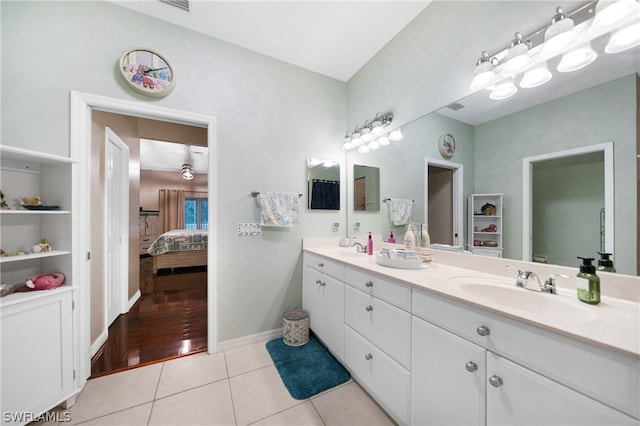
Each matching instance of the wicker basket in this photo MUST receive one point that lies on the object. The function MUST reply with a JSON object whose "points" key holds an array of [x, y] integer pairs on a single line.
{"points": [[296, 327]]}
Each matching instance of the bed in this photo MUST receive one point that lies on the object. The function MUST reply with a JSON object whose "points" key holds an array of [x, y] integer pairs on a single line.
{"points": [[179, 248]]}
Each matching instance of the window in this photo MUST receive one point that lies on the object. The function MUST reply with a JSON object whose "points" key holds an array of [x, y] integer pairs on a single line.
{"points": [[196, 213]]}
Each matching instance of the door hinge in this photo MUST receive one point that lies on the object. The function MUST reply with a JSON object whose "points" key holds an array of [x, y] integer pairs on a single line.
{"points": [[73, 305], [88, 255], [74, 374]]}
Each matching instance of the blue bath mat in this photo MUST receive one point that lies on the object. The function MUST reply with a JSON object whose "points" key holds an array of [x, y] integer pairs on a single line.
{"points": [[306, 370]]}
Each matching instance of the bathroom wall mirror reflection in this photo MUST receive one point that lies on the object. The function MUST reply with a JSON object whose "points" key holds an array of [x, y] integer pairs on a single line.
{"points": [[323, 182], [366, 188]]}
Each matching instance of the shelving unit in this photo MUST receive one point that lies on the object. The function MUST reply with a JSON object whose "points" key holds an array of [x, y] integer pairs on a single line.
{"points": [[38, 356], [485, 230]]}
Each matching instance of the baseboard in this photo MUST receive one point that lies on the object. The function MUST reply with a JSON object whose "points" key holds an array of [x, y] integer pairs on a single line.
{"points": [[97, 344], [249, 340], [133, 301]]}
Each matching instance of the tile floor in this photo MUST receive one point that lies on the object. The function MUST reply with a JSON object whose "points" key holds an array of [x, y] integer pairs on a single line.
{"points": [[237, 387]]}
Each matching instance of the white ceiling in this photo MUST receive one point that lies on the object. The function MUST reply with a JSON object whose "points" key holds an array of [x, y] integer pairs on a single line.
{"points": [[333, 38], [169, 156]]}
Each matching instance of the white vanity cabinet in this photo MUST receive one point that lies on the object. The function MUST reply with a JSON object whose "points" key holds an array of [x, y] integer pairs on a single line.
{"points": [[378, 338], [323, 299], [531, 376], [38, 349]]}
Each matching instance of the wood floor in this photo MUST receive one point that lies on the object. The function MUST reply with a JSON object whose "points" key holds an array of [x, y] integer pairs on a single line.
{"points": [[169, 320]]}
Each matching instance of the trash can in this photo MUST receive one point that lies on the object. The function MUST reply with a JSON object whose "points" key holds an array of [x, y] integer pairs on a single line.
{"points": [[296, 327]]}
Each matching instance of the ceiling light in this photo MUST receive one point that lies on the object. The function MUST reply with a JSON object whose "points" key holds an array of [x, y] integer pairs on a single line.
{"points": [[377, 124], [503, 90], [363, 149], [536, 76], [383, 140], [517, 58], [624, 39], [366, 131], [356, 138], [374, 144], [577, 58], [609, 13], [484, 74], [395, 135], [560, 34], [187, 171]]}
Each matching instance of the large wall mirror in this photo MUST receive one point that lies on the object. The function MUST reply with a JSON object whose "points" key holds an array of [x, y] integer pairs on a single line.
{"points": [[593, 107], [323, 182]]}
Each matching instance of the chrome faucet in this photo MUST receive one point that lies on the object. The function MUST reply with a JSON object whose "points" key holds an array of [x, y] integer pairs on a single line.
{"points": [[361, 248], [549, 285]]}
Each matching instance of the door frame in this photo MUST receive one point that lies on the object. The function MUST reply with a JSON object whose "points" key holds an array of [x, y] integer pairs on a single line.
{"points": [[82, 105], [527, 193], [123, 279], [458, 195]]}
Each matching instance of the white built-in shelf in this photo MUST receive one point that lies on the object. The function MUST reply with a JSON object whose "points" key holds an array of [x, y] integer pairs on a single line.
{"points": [[15, 153], [32, 256], [33, 212]]}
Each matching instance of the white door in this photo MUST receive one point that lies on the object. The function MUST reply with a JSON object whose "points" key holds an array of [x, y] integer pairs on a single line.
{"points": [[455, 225], [116, 222]]}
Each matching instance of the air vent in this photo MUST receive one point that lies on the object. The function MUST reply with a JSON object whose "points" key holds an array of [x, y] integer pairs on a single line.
{"points": [[455, 106], [180, 4]]}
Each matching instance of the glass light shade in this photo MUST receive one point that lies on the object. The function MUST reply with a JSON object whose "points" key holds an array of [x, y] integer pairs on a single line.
{"points": [[503, 90], [376, 125], [624, 39], [483, 76], [395, 135], [347, 146], [609, 13], [577, 58], [559, 36], [363, 149], [517, 58], [383, 140], [367, 135], [373, 145], [187, 171], [536, 76]]}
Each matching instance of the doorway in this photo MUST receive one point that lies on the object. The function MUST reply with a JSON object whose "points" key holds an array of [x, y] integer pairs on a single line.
{"points": [[82, 105], [444, 201], [539, 220]]}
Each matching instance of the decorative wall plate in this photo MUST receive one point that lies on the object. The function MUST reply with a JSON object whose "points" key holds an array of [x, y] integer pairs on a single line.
{"points": [[147, 72], [446, 145]]}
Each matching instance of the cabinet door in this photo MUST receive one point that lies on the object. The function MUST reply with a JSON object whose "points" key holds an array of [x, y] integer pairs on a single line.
{"points": [[153, 225], [518, 396], [312, 298], [333, 315], [448, 378], [37, 354]]}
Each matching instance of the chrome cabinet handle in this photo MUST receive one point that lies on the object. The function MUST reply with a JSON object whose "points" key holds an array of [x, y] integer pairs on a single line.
{"points": [[369, 283], [368, 357], [471, 366], [320, 265], [496, 381], [322, 284], [483, 330], [369, 308], [318, 282]]}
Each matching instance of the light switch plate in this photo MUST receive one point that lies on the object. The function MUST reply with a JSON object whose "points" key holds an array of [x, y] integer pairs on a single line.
{"points": [[249, 229]]}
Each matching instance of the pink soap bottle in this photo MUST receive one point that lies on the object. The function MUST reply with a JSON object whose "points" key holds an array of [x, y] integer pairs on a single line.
{"points": [[370, 249], [391, 239]]}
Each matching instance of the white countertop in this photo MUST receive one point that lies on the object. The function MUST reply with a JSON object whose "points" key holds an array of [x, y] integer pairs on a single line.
{"points": [[612, 324]]}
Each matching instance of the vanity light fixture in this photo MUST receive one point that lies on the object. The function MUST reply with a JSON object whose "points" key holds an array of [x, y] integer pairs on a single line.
{"points": [[517, 59], [567, 34], [372, 134], [577, 58], [536, 76]]}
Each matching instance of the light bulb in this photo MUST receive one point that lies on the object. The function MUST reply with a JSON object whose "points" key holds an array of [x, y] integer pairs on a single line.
{"points": [[536, 76], [577, 58], [503, 90], [624, 39], [383, 140], [395, 135]]}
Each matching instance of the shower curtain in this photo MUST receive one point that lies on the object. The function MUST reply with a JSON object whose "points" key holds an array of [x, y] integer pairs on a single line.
{"points": [[325, 194]]}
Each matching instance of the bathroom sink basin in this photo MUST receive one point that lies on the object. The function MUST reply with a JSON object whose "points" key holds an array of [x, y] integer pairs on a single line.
{"points": [[553, 307], [347, 252]]}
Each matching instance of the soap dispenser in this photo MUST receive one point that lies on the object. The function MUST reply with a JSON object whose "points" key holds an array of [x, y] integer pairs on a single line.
{"points": [[605, 263], [587, 282], [391, 239], [370, 248], [410, 238]]}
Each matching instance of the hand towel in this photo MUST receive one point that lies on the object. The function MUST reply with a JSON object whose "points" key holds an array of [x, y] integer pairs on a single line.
{"points": [[279, 209], [400, 210]]}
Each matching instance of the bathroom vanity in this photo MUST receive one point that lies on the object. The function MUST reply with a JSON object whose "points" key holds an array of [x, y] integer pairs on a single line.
{"points": [[464, 345]]}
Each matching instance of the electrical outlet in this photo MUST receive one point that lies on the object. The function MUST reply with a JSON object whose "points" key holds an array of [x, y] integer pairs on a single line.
{"points": [[335, 227], [249, 229]]}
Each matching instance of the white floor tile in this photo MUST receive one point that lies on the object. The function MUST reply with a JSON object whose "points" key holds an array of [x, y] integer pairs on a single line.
{"points": [[259, 394], [300, 415], [349, 405], [207, 405], [247, 358], [191, 371], [130, 417], [115, 392]]}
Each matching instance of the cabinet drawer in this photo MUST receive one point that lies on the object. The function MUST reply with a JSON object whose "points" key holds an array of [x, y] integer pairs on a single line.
{"points": [[383, 378], [606, 376], [324, 265], [390, 291], [386, 326]]}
